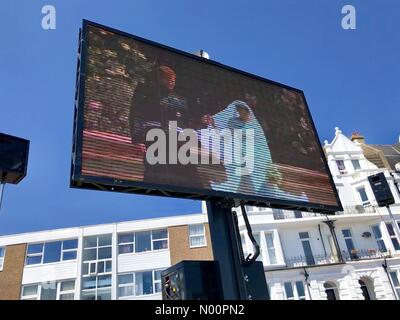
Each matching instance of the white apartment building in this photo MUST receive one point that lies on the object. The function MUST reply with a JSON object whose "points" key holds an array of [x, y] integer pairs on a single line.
{"points": [[353, 254]]}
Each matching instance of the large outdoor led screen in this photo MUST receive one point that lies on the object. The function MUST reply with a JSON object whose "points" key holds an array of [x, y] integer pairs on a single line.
{"points": [[151, 119]]}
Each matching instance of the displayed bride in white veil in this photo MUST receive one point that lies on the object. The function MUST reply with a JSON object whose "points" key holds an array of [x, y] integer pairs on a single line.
{"points": [[245, 177]]}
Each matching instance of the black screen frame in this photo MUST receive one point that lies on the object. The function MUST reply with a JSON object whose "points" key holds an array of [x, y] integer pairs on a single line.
{"points": [[138, 187]]}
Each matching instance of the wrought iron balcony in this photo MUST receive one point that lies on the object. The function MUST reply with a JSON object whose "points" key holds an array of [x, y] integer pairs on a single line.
{"points": [[357, 209], [312, 260], [364, 254], [280, 214], [322, 259]]}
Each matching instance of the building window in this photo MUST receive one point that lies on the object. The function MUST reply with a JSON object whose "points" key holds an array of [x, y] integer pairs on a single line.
{"points": [[48, 292], [393, 236], [289, 291], [2, 255], [139, 283], [197, 235], [331, 291], [295, 291], [69, 249], [34, 254], [97, 267], [378, 238], [67, 290], [356, 164], [30, 292], [62, 290], [269, 239], [159, 239], [50, 252], [363, 196], [144, 283], [126, 285], [96, 288], [278, 214], [143, 241], [298, 214], [157, 281], [305, 241], [341, 166], [395, 282], [126, 243], [349, 243]]}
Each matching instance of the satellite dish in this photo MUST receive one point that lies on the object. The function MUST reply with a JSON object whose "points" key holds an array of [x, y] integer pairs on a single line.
{"points": [[202, 54], [397, 166]]}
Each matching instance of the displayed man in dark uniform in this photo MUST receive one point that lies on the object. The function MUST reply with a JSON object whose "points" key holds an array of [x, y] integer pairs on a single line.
{"points": [[154, 104]]}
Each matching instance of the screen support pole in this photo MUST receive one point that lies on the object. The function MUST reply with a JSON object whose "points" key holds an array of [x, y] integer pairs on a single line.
{"points": [[226, 250]]}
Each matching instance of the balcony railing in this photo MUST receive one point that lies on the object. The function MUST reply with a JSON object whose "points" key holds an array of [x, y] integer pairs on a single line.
{"points": [[280, 214], [364, 254], [356, 210], [322, 259], [316, 259]]}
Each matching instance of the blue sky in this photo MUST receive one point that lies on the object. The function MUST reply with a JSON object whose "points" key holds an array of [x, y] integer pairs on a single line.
{"points": [[350, 78]]}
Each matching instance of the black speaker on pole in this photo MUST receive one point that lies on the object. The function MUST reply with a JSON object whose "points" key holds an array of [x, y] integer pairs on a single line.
{"points": [[381, 189], [13, 158]]}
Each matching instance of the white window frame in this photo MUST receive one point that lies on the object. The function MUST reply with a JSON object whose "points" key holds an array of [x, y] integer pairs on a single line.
{"points": [[97, 289], [65, 292], [38, 294], [352, 239], [341, 171], [2, 258], [378, 239], [95, 263], [296, 296], [43, 249], [394, 236], [311, 245], [359, 164], [69, 250], [396, 288], [197, 235], [127, 243], [368, 201], [33, 296], [41, 254], [152, 240], [161, 239], [123, 285], [154, 282], [272, 233]]}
